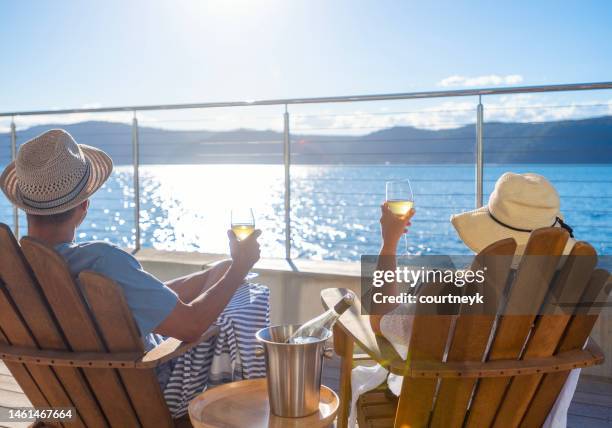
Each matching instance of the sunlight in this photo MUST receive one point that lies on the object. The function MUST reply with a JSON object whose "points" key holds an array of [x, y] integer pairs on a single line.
{"points": [[227, 10]]}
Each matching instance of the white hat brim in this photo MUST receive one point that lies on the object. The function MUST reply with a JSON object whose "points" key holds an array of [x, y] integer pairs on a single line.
{"points": [[101, 167], [478, 230]]}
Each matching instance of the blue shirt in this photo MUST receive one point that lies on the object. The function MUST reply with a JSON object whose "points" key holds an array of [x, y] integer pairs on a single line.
{"points": [[148, 298]]}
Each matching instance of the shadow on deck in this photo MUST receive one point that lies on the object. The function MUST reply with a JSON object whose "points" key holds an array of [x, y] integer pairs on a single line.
{"points": [[590, 408]]}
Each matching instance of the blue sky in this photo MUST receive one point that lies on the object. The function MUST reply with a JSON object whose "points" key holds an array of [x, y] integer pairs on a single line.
{"points": [[73, 54]]}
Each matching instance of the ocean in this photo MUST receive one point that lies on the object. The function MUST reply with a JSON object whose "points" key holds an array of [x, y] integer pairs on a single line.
{"points": [[334, 209]]}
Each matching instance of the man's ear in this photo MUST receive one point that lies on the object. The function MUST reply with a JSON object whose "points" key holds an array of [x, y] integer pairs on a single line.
{"points": [[83, 206]]}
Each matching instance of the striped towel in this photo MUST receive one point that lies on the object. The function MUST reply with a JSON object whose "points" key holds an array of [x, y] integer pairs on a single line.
{"points": [[227, 357]]}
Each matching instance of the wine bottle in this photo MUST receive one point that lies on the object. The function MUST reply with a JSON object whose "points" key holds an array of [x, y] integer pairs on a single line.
{"points": [[313, 330]]}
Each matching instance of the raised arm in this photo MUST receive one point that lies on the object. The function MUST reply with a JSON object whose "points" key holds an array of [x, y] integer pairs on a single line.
{"points": [[190, 286], [392, 229], [188, 321]]}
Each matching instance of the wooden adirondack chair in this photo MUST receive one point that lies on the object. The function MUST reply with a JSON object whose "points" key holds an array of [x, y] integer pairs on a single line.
{"points": [[76, 345], [512, 382]]}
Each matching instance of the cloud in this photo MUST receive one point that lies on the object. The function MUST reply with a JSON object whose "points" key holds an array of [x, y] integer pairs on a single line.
{"points": [[92, 105], [488, 80], [521, 108]]}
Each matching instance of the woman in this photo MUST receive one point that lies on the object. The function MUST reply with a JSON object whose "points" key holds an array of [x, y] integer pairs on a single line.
{"points": [[519, 204]]}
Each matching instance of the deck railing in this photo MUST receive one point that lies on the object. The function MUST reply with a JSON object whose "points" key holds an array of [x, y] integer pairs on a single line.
{"points": [[481, 95]]}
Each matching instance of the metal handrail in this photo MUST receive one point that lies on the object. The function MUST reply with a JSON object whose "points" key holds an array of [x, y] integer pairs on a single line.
{"points": [[478, 161], [339, 99]]}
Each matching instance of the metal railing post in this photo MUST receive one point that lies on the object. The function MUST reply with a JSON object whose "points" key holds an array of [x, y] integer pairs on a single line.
{"points": [[13, 157], [287, 163], [136, 183], [479, 150]]}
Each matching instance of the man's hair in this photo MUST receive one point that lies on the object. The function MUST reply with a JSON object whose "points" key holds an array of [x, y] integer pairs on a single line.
{"points": [[52, 219]]}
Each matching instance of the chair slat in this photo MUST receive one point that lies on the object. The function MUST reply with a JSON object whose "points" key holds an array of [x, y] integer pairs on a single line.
{"points": [[120, 334], [25, 380], [575, 336], [17, 334], [472, 332], [427, 343], [67, 304], [29, 302], [344, 347], [531, 284], [569, 286]]}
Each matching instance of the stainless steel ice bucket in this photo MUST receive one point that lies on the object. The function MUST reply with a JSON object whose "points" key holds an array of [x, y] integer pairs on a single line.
{"points": [[294, 371]]}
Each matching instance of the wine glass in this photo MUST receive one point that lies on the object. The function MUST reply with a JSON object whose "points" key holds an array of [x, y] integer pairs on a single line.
{"points": [[242, 223], [400, 200]]}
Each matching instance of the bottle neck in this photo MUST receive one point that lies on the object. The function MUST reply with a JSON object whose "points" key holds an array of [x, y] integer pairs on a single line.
{"points": [[341, 307]]}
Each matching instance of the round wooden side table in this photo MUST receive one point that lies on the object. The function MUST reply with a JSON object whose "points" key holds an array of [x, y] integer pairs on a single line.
{"points": [[245, 404]]}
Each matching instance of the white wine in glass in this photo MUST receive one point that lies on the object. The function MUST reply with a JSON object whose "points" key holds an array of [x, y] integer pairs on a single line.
{"points": [[400, 200], [242, 231], [242, 222], [400, 207]]}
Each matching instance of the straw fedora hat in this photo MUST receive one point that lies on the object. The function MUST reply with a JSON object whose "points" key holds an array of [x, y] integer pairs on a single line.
{"points": [[52, 173], [519, 204]]}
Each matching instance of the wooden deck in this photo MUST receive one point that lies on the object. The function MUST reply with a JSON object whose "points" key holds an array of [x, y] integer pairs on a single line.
{"points": [[591, 407], [11, 395]]}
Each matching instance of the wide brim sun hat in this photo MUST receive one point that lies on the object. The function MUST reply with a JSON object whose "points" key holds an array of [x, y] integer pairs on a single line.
{"points": [[519, 204], [53, 174]]}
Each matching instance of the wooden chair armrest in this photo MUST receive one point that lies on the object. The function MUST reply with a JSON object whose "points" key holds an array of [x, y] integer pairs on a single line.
{"points": [[171, 348], [67, 358], [357, 327], [578, 358], [165, 351]]}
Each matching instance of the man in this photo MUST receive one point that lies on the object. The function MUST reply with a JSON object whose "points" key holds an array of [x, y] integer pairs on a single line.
{"points": [[52, 180]]}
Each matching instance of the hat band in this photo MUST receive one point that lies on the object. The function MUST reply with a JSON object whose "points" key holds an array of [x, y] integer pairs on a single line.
{"points": [[557, 220], [501, 223], [54, 203]]}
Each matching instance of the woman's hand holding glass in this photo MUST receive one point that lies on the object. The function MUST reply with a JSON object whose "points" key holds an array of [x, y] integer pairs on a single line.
{"points": [[393, 227]]}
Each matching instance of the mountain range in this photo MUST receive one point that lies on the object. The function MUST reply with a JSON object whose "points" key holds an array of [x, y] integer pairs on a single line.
{"points": [[568, 141]]}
